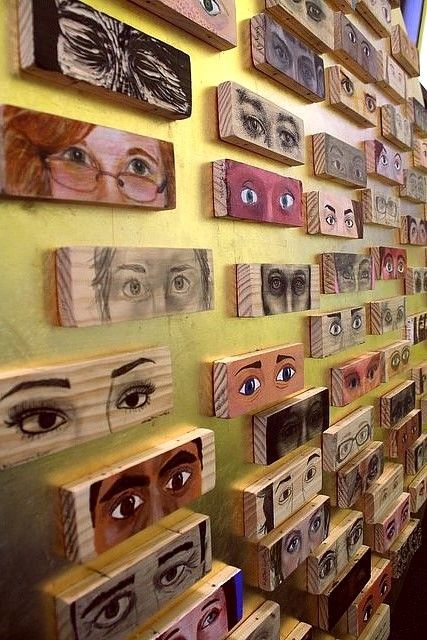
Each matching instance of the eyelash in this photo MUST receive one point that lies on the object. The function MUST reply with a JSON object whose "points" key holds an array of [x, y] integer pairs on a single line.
{"points": [[145, 388]]}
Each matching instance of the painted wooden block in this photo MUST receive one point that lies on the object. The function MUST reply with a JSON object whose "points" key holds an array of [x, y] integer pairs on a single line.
{"points": [[355, 478], [416, 455], [71, 43], [419, 154], [418, 490], [416, 328], [109, 506], [395, 127], [405, 547], [414, 187], [302, 631], [394, 359], [264, 622], [350, 96], [97, 285], [49, 408], [218, 600], [244, 192], [387, 315], [314, 23], [416, 280], [404, 51], [285, 58], [333, 215], [346, 6], [377, 14], [397, 404], [381, 534], [419, 374], [335, 331], [380, 208], [346, 438], [278, 431], [355, 378], [336, 160], [252, 122], [279, 494], [390, 263], [354, 50], [269, 289], [50, 157], [331, 557], [418, 114], [383, 162], [402, 436], [392, 78], [213, 22], [371, 597], [378, 627], [284, 549], [347, 272], [383, 493], [124, 593], [413, 231]]}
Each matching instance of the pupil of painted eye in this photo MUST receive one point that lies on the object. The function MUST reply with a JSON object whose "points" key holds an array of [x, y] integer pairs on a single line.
{"points": [[179, 283], [315, 525], [249, 196], [286, 200], [133, 399], [128, 507], [210, 7], [76, 155], [134, 287], [357, 323], [177, 481], [112, 609], [330, 219], [138, 166], [287, 373], [47, 420]]}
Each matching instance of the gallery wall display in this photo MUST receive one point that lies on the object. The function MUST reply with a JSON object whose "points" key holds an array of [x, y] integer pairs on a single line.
{"points": [[377, 14], [413, 231], [387, 315], [332, 332], [52, 407], [397, 404], [347, 272], [414, 186], [416, 280], [390, 263], [355, 378], [404, 51], [394, 359], [343, 440], [373, 594], [383, 493], [331, 214], [97, 285], [264, 622], [336, 160], [313, 22], [395, 127], [383, 162], [353, 49], [380, 208], [351, 96], [93, 51], [392, 78]]}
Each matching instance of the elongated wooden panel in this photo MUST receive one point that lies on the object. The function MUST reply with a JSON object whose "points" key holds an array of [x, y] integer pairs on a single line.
{"points": [[414, 187], [404, 51], [418, 490], [377, 14], [50, 408], [71, 43], [405, 547], [390, 263], [392, 78], [347, 437], [419, 154], [398, 439], [109, 506], [381, 208], [394, 359], [264, 622], [371, 597], [383, 493], [279, 494], [285, 427], [416, 280], [282, 56], [314, 24], [337, 160], [355, 378], [381, 534], [97, 285], [249, 382], [416, 328], [416, 455], [419, 374], [249, 120], [353, 49], [333, 215], [413, 231], [383, 162], [332, 332], [395, 127], [350, 96], [347, 272], [387, 315], [244, 192], [397, 404], [418, 114], [139, 583], [354, 478], [269, 289]]}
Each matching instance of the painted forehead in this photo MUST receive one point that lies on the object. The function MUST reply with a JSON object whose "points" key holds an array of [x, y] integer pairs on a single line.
{"points": [[338, 202], [239, 173]]}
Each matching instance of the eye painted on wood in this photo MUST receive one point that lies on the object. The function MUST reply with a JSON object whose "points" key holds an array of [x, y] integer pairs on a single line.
{"points": [[404, 51], [338, 160], [310, 20], [354, 50]]}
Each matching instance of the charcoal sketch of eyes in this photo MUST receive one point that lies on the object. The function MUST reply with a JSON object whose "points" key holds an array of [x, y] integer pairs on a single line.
{"points": [[353, 537], [302, 422], [347, 84], [370, 102], [362, 436], [177, 568], [285, 289], [356, 321]]}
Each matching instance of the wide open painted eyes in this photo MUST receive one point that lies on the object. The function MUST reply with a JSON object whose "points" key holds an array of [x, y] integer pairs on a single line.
{"points": [[294, 543], [397, 162], [126, 506], [395, 360], [335, 329], [310, 473], [115, 610], [388, 265], [349, 222], [330, 219], [356, 322], [249, 196], [351, 34], [347, 85], [286, 373], [134, 288], [286, 200], [249, 386], [211, 7]]}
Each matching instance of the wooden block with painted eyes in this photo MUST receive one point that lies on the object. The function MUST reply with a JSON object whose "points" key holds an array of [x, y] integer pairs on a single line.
{"points": [[413, 231], [350, 96], [383, 493], [394, 359], [404, 51], [252, 122], [419, 154], [312, 21], [416, 280], [336, 160], [416, 455], [91, 61], [392, 78], [402, 436], [405, 547], [52, 407], [282, 550], [380, 535], [332, 332], [414, 187], [418, 490], [264, 622], [279, 494], [397, 404], [354, 50], [346, 272], [380, 208], [389, 262], [418, 114], [383, 162], [355, 378], [419, 375], [249, 382], [416, 328], [285, 427], [373, 594], [333, 215], [282, 56], [101, 510], [387, 315], [395, 127], [377, 14], [346, 438], [269, 289], [378, 628]]}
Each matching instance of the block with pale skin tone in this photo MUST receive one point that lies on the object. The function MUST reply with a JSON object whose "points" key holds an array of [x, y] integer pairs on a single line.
{"points": [[418, 490], [337, 160], [377, 14], [330, 214], [313, 22], [346, 438], [354, 50], [394, 359], [404, 51], [402, 436], [264, 622], [415, 186], [351, 96], [355, 378], [380, 208], [397, 404], [347, 272], [416, 455], [332, 332], [405, 547], [381, 534], [383, 162], [395, 127], [420, 154], [383, 493], [392, 78], [416, 328], [419, 374], [390, 263], [387, 315], [416, 280], [373, 594], [413, 231]]}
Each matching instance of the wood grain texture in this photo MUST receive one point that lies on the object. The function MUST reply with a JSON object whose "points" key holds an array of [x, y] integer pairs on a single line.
{"points": [[263, 622], [419, 375], [392, 78], [346, 272], [380, 535], [395, 127], [383, 162], [110, 58], [380, 208], [239, 110], [397, 404], [346, 6], [416, 328], [387, 315], [416, 455], [413, 231], [416, 280], [337, 330], [336, 160], [333, 215], [419, 154], [378, 627], [285, 427], [314, 26], [404, 51], [405, 547], [402, 436], [418, 490], [269, 42], [377, 14], [394, 359], [350, 96], [52, 407], [390, 263], [353, 49], [302, 631], [371, 597], [418, 114], [414, 186], [354, 478], [383, 493], [342, 441], [355, 378]]}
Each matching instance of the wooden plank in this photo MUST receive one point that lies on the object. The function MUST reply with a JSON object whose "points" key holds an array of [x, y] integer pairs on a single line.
{"points": [[377, 15], [417, 112], [414, 187], [269, 289], [154, 76], [346, 272], [419, 154], [397, 404], [413, 231], [392, 78], [418, 490], [405, 547], [381, 208], [383, 493], [282, 550], [337, 330], [302, 631], [278, 431], [416, 280], [380, 535], [280, 493], [353, 49], [416, 455], [264, 622], [390, 263], [347, 437], [336, 160], [354, 378], [252, 122], [97, 285], [416, 328], [395, 127], [402, 436], [383, 162], [100, 510], [378, 627], [371, 597], [52, 407], [394, 359], [354, 478], [349, 95], [404, 51], [259, 202], [285, 58], [387, 315], [346, 6], [333, 215], [314, 25], [419, 374]]}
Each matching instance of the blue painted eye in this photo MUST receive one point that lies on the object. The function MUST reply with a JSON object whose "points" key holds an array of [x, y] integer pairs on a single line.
{"points": [[249, 386], [249, 196], [286, 373], [286, 200]]}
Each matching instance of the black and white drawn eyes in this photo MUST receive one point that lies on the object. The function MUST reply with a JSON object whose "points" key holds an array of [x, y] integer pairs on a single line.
{"points": [[343, 165], [354, 535], [314, 11], [383, 160], [347, 85], [327, 565], [398, 357], [393, 318], [363, 434], [370, 102]]}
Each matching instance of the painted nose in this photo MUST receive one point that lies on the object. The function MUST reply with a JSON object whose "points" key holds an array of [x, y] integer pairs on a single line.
{"points": [[108, 188], [268, 212]]}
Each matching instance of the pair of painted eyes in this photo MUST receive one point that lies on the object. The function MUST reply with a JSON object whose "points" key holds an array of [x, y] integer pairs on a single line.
{"points": [[212, 7], [361, 437], [398, 358], [331, 220], [388, 316], [389, 265], [250, 197], [252, 384], [288, 492], [397, 162], [382, 205], [257, 129], [277, 284], [336, 327], [341, 168], [366, 50], [135, 288]]}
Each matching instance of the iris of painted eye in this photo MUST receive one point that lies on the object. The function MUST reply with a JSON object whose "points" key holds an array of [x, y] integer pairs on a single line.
{"points": [[209, 618], [383, 159], [335, 329], [357, 322], [366, 50], [395, 360], [211, 7], [254, 126], [172, 575], [77, 155], [349, 222], [397, 162], [294, 544], [178, 480], [389, 266], [315, 524], [138, 167], [287, 139], [330, 219], [370, 103], [405, 355], [180, 284], [314, 11], [285, 374], [132, 288], [114, 611], [348, 86], [249, 387], [310, 473], [126, 507], [249, 196], [286, 200], [285, 495]]}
